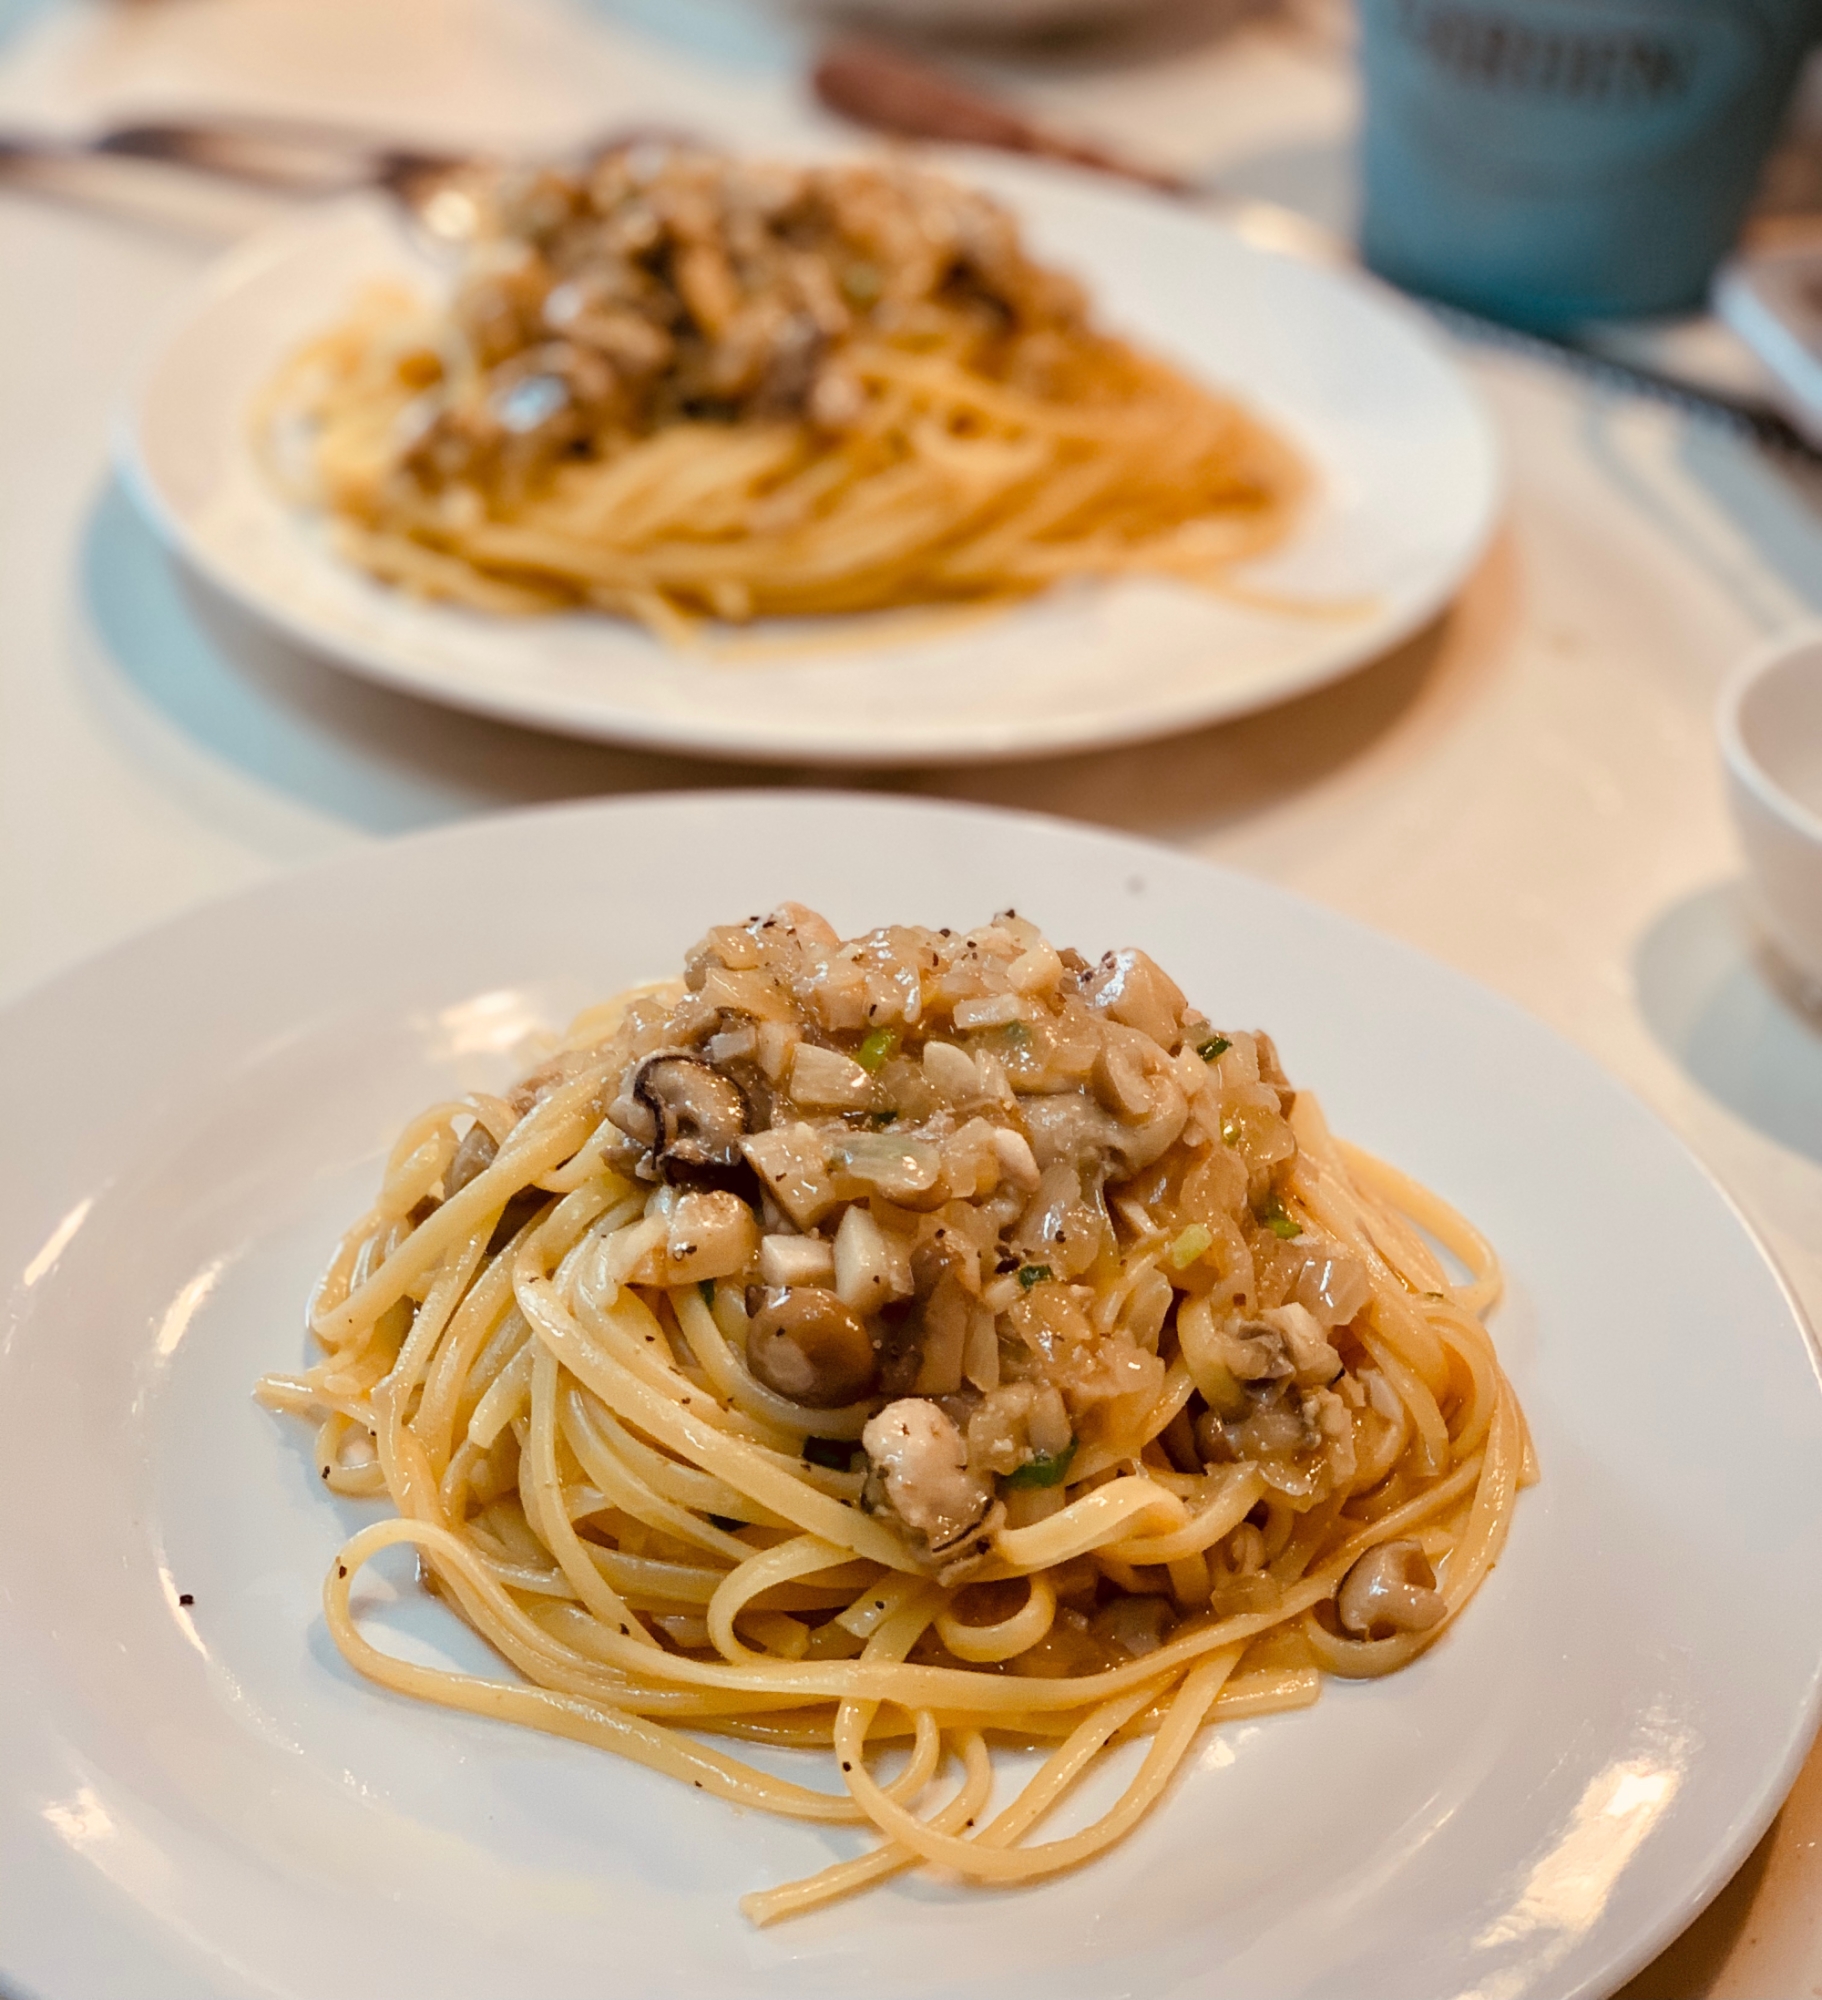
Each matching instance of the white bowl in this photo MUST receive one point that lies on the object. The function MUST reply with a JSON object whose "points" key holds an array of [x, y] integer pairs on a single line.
{"points": [[1770, 723]]}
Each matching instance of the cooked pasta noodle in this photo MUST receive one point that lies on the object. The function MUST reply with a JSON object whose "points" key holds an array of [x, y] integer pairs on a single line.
{"points": [[673, 385], [901, 1346]]}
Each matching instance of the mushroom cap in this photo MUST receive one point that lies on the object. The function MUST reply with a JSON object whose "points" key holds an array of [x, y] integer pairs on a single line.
{"points": [[1391, 1589], [699, 1115], [805, 1344]]}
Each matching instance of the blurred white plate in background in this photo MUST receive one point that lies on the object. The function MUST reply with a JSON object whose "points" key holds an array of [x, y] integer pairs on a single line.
{"points": [[1406, 465]]}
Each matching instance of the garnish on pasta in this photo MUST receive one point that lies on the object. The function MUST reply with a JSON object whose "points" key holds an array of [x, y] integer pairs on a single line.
{"points": [[907, 1344]]}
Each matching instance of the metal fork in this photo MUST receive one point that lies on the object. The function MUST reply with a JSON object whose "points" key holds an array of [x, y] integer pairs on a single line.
{"points": [[291, 156]]}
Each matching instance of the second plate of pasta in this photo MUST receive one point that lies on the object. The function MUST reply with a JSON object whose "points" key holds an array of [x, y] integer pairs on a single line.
{"points": [[881, 602]]}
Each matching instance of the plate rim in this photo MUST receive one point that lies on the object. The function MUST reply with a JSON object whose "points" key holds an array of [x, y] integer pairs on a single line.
{"points": [[734, 740], [1760, 1800]]}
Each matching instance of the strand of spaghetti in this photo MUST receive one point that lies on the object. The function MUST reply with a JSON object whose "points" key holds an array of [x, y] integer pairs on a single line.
{"points": [[972, 1858], [1179, 1386], [1466, 1340], [1389, 1527], [986, 1645], [408, 1179], [911, 1686], [791, 1899], [1475, 1554], [432, 1317], [1060, 1770], [545, 1137], [1257, 1692], [686, 1485], [735, 1385], [304, 1395], [803, 1556], [355, 1481], [470, 1329], [1443, 1221], [549, 1518], [1217, 1520], [1088, 1523], [543, 1657], [629, 1332], [687, 1434], [599, 1723], [624, 1488], [1433, 1443]]}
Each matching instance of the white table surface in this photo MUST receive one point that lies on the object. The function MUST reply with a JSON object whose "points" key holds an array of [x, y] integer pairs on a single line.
{"points": [[1528, 791]]}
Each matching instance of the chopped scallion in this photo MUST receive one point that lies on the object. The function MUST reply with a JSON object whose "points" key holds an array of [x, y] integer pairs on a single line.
{"points": [[706, 1286], [1048, 1468], [1034, 1274], [1196, 1241], [1278, 1221], [1214, 1048], [879, 1047]]}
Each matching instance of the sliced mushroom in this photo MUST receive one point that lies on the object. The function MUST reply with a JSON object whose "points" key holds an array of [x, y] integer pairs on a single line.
{"points": [[922, 1460], [473, 1157], [903, 1168], [709, 1233], [1132, 988], [699, 1116], [1390, 1589], [796, 1260], [805, 1344], [826, 1080], [869, 1267]]}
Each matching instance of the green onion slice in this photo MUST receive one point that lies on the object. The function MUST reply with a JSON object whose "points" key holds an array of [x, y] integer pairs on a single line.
{"points": [[879, 1047], [1278, 1221], [1048, 1468]]}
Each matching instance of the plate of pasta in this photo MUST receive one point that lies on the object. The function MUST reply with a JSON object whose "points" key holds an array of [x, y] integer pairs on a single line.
{"points": [[840, 460], [913, 1399]]}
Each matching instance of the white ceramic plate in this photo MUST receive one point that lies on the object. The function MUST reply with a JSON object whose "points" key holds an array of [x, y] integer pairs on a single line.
{"points": [[202, 1799], [1409, 488]]}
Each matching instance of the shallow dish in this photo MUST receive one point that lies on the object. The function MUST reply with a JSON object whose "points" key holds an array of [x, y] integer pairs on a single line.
{"points": [[197, 1797], [1404, 459]]}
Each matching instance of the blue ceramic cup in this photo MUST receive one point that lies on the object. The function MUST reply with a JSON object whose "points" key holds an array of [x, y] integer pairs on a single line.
{"points": [[1549, 161]]}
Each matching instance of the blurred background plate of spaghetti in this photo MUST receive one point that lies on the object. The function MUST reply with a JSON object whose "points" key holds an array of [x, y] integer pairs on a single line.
{"points": [[1532, 1807], [1402, 492]]}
